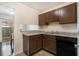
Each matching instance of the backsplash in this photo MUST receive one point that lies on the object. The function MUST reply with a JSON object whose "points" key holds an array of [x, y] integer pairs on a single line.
{"points": [[60, 27], [53, 27], [29, 27]]}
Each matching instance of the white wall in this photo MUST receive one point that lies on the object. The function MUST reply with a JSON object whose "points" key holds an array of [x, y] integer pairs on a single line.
{"points": [[23, 15], [0, 32], [78, 25], [78, 16]]}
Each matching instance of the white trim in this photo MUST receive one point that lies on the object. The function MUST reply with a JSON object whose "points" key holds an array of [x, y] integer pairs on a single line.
{"points": [[16, 53]]}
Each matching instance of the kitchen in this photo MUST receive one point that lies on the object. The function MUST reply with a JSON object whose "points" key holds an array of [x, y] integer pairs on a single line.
{"points": [[55, 31]]}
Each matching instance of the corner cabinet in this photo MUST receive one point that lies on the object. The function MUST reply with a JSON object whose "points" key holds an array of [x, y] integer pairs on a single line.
{"points": [[48, 17], [49, 43], [32, 44], [68, 14], [35, 43]]}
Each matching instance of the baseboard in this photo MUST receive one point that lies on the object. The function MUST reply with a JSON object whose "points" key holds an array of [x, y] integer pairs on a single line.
{"points": [[33, 53], [50, 52], [36, 52], [15, 54]]}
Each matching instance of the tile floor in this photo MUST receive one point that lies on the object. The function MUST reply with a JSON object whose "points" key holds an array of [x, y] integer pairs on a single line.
{"points": [[6, 49], [40, 53]]}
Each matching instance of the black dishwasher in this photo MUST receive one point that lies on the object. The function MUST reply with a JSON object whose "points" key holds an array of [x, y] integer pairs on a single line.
{"points": [[66, 46]]}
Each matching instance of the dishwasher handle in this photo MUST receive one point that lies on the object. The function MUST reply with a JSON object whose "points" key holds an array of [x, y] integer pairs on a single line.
{"points": [[76, 46]]}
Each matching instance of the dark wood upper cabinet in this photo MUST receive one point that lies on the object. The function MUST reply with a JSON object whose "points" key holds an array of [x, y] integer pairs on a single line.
{"points": [[64, 15], [42, 19], [68, 14], [54, 15], [48, 17]]}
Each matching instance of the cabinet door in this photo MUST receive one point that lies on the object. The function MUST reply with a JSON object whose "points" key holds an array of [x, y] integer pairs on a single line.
{"points": [[39, 43], [48, 18], [54, 17], [35, 43], [49, 43], [68, 14], [26, 44], [42, 20]]}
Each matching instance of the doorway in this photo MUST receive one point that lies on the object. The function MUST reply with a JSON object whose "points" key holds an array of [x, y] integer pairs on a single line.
{"points": [[6, 30]]}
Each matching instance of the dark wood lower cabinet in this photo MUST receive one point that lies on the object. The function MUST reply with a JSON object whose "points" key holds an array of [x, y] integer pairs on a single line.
{"points": [[35, 43], [32, 44], [57, 45], [49, 43]]}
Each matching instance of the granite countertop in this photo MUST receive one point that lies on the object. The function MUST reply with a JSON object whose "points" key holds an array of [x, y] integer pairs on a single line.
{"points": [[36, 32], [30, 33], [63, 34]]}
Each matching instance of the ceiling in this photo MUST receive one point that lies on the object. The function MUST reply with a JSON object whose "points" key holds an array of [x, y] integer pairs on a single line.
{"points": [[6, 15], [42, 6], [6, 10]]}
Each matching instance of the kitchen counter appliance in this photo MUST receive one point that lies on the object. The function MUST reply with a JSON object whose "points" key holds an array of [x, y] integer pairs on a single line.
{"points": [[66, 46]]}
